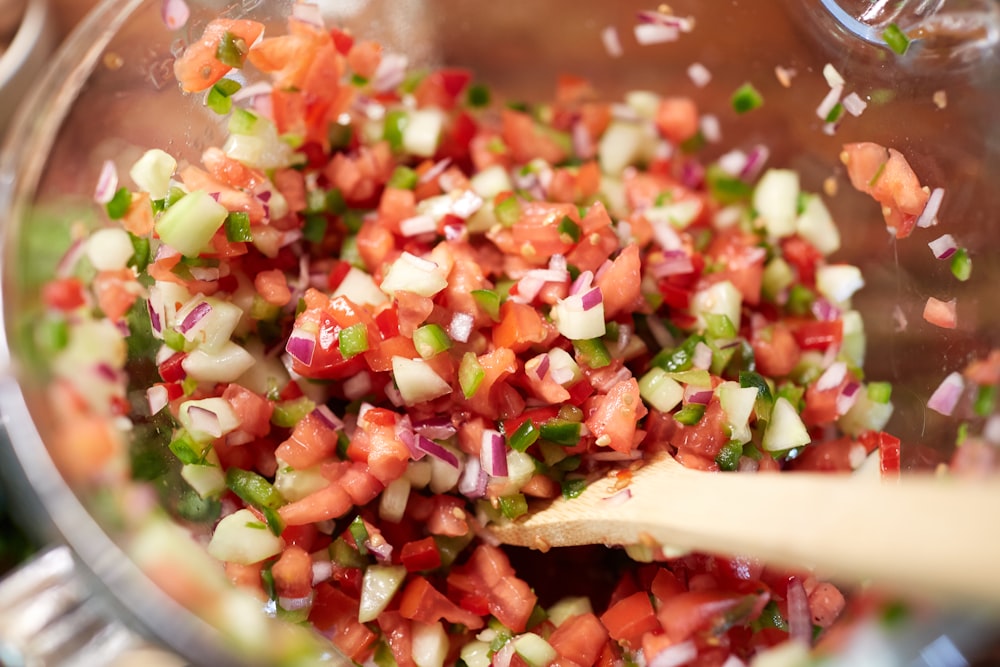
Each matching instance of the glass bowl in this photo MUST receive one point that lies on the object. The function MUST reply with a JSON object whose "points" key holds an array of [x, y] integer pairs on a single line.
{"points": [[110, 94]]}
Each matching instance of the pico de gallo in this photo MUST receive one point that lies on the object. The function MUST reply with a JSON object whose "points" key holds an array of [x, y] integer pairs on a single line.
{"points": [[390, 310]]}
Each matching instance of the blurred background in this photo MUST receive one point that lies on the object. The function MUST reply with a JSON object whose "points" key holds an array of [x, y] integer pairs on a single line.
{"points": [[29, 31]]}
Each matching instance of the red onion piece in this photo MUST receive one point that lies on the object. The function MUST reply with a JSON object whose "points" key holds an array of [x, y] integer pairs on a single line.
{"points": [[692, 174], [107, 183], [682, 23], [378, 546], [799, 621], [943, 246], [252, 91], [472, 483], [466, 205], [848, 397], [390, 72], [675, 262], [157, 398], [945, 397], [582, 283], [418, 224], [699, 75], [928, 217], [454, 231], [617, 499], [832, 376], [308, 12], [435, 428], [558, 263], [701, 397], [155, 317], [322, 570], [854, 105], [733, 162], [238, 437], [175, 14], [592, 299], [655, 33], [301, 345], [702, 357], [899, 317], [543, 366], [192, 319], [208, 274], [829, 102], [493, 454], [428, 446], [824, 311], [710, 128], [67, 263], [611, 41], [326, 416], [503, 656], [461, 327], [436, 170], [756, 159], [674, 655], [583, 145], [204, 420]]}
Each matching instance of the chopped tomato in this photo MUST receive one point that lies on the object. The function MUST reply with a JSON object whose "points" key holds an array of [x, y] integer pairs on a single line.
{"points": [[421, 555], [620, 284], [335, 614], [579, 639], [775, 350], [685, 614], [885, 174], [613, 422], [64, 293], [677, 118], [420, 601], [253, 411], [941, 313], [630, 618], [293, 573], [198, 68]]}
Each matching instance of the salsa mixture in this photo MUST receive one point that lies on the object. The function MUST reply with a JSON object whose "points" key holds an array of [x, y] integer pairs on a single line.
{"points": [[390, 311]]}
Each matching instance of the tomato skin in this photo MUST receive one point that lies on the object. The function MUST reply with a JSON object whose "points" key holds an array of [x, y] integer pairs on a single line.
{"points": [[630, 618], [197, 68], [420, 601], [615, 417], [704, 439], [335, 614], [293, 573], [398, 635], [311, 442], [775, 350], [620, 284], [580, 639], [819, 335], [520, 327], [685, 614], [803, 256], [420, 555], [64, 293], [488, 575], [329, 502], [254, 411]]}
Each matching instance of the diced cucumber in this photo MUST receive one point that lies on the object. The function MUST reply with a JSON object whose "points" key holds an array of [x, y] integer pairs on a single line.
{"points": [[576, 323], [839, 282], [722, 298], [660, 390], [778, 276], [360, 287], [865, 415], [853, 343], [476, 654], [620, 146], [776, 201], [417, 381], [738, 403], [152, 172], [491, 181], [392, 503], [110, 249], [534, 650], [816, 225], [429, 644], [227, 364], [413, 274], [295, 484], [678, 215], [785, 429], [207, 479], [189, 225], [379, 584], [569, 607], [423, 132], [444, 476], [644, 102], [243, 539]]}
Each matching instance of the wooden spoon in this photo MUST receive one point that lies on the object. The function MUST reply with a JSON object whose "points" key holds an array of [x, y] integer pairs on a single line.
{"points": [[926, 535]]}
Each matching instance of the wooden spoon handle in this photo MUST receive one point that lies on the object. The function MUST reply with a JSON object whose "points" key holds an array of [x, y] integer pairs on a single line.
{"points": [[939, 537]]}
